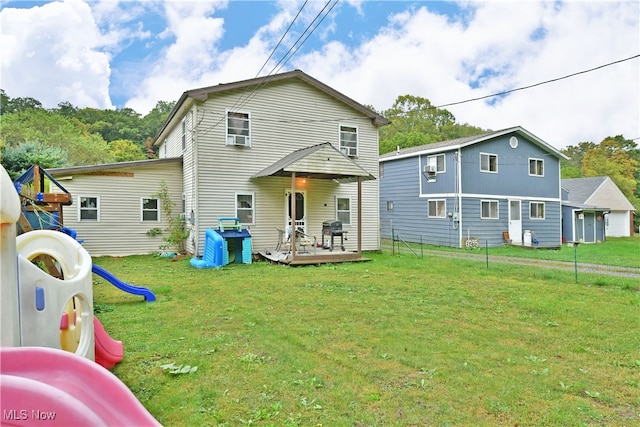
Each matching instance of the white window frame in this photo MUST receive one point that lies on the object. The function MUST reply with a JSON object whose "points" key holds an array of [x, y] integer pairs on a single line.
{"points": [[143, 210], [381, 170], [488, 156], [433, 161], [251, 209], [537, 216], [536, 162], [184, 133], [348, 150], [491, 202], [164, 148], [234, 138], [96, 208], [389, 205], [338, 211], [439, 213]]}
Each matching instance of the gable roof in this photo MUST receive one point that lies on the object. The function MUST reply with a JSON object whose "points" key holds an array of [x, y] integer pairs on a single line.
{"points": [[596, 190], [454, 144], [321, 161], [202, 94]]}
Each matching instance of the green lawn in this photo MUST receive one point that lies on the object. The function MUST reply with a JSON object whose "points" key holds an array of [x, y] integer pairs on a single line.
{"points": [[620, 251], [395, 341]]}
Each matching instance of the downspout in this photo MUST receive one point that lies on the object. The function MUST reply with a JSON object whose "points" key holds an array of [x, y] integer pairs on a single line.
{"points": [[195, 180], [459, 195]]}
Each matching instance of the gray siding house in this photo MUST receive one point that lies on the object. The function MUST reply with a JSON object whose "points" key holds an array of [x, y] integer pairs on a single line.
{"points": [[595, 207], [491, 188]]}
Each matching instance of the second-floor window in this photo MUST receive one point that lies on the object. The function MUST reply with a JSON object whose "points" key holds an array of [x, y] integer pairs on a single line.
{"points": [[436, 163], [89, 209], [488, 162], [238, 128], [150, 210], [349, 140], [536, 167]]}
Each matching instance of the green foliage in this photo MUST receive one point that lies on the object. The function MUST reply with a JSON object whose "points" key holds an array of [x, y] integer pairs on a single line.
{"points": [[124, 150], [18, 158], [53, 130], [380, 343], [177, 231], [415, 121]]}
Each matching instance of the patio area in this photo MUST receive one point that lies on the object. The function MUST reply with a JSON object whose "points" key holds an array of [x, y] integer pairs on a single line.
{"points": [[311, 256]]}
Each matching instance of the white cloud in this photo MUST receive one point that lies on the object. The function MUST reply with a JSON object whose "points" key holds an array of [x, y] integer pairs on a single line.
{"points": [[423, 54], [53, 53]]}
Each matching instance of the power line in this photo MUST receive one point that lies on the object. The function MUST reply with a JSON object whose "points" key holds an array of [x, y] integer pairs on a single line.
{"points": [[538, 84]]}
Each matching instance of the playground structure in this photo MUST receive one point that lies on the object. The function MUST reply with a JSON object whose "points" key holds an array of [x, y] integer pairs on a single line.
{"points": [[49, 335], [224, 245]]}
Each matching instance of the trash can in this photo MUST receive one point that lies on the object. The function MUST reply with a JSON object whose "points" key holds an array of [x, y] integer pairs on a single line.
{"points": [[527, 238]]}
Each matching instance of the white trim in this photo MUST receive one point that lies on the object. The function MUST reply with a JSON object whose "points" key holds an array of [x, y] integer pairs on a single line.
{"points": [[234, 137], [97, 208], [444, 211], [347, 150], [143, 210], [350, 209], [529, 167], [497, 202], [489, 170], [252, 208], [544, 210]]}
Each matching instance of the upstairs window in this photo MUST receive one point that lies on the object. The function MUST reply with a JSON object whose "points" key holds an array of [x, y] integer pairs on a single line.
{"points": [[349, 140], [389, 205], [536, 167], [536, 210], [488, 162], [436, 163], [343, 210], [238, 129], [150, 209], [437, 208], [89, 209]]}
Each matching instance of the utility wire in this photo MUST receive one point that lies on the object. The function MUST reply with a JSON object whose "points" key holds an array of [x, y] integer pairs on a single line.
{"points": [[538, 84]]}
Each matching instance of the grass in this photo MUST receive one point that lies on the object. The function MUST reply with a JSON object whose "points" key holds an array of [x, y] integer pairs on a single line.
{"points": [[618, 251], [394, 341]]}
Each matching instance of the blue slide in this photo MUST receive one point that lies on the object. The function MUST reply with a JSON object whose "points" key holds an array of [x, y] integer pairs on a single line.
{"points": [[213, 251], [135, 290]]}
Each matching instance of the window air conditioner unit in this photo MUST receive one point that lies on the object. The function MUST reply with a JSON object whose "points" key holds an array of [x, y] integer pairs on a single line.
{"points": [[349, 151], [430, 169], [241, 140]]}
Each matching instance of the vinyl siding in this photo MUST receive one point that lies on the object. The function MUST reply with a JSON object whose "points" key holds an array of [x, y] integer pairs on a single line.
{"points": [[285, 116], [120, 230]]}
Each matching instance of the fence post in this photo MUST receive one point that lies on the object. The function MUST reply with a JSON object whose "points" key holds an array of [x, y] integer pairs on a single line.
{"points": [[486, 251], [575, 259]]}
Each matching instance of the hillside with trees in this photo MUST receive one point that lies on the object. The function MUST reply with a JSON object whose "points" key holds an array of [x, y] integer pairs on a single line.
{"points": [[72, 136]]}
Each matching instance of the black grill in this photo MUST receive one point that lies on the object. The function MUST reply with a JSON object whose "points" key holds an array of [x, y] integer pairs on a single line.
{"points": [[331, 229]]}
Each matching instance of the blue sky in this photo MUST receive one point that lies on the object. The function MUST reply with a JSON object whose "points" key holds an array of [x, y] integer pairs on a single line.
{"points": [[114, 54]]}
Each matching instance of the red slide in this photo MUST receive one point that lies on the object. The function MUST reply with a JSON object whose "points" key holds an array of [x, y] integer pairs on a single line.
{"points": [[49, 387], [108, 351]]}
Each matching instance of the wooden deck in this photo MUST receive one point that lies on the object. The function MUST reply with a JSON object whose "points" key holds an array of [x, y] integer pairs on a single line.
{"points": [[312, 256]]}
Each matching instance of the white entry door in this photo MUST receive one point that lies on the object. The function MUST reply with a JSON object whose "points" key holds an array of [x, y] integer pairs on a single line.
{"points": [[515, 221], [301, 209]]}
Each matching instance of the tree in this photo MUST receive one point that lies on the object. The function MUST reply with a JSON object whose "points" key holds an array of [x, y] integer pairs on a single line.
{"points": [[53, 130], [18, 158], [124, 150], [572, 168], [613, 157], [415, 121]]}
